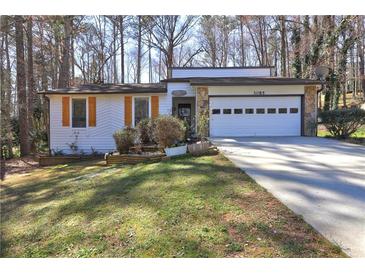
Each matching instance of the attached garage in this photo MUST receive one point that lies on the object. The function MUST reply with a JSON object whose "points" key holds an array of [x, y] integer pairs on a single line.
{"points": [[236, 116]]}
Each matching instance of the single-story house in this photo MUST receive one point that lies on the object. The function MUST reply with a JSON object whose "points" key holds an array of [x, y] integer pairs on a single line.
{"points": [[241, 101]]}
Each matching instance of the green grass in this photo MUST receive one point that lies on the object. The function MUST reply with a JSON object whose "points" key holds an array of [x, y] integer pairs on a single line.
{"points": [[185, 207], [356, 138], [360, 133]]}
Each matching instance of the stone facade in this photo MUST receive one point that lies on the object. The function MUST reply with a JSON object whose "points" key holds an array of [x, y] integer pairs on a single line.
{"points": [[310, 111], [202, 101]]}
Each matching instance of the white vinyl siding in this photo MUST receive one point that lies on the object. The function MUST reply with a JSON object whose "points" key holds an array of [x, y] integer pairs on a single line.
{"points": [[190, 91], [109, 118], [221, 72], [256, 121]]}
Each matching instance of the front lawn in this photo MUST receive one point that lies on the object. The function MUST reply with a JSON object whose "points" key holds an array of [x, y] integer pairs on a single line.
{"points": [[186, 207]]}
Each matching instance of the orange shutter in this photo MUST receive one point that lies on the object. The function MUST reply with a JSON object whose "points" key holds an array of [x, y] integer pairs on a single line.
{"points": [[65, 111], [92, 111], [128, 111], [154, 107]]}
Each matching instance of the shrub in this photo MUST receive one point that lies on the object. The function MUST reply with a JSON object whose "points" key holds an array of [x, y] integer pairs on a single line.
{"points": [[187, 132], [145, 131], [343, 122], [168, 130], [125, 139]]}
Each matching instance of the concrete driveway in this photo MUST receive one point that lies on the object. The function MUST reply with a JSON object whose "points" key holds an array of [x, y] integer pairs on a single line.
{"points": [[321, 179]]}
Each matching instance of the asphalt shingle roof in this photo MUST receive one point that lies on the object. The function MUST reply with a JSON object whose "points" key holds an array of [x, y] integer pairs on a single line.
{"points": [[243, 81], [110, 89]]}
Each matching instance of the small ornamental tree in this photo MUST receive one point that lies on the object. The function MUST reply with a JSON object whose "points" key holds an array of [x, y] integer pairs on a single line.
{"points": [[125, 139], [343, 122], [168, 131], [145, 131]]}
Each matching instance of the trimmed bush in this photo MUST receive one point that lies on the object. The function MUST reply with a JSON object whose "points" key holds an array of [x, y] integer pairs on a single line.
{"points": [[125, 139], [145, 131], [343, 122], [168, 131]]}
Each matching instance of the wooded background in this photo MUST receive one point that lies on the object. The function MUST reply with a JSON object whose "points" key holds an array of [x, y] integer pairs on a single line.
{"points": [[47, 52]]}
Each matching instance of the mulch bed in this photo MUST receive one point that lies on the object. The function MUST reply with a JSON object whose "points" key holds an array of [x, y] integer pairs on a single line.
{"points": [[21, 165]]}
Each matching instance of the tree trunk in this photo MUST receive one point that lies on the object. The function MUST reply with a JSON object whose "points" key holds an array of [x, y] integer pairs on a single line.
{"points": [[282, 46], [6, 102], [288, 56], [159, 65], [55, 62], [306, 42], [150, 60], [330, 89], [139, 49], [243, 61], [30, 76], [115, 71], [64, 77], [121, 24], [21, 86], [341, 81], [296, 37], [361, 52], [43, 64], [2, 101], [170, 59], [72, 57]]}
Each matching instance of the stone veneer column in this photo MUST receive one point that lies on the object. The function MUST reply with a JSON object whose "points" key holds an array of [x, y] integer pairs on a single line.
{"points": [[310, 111], [202, 103]]}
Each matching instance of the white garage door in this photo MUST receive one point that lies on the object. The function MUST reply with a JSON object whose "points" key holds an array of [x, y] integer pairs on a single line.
{"points": [[255, 116]]}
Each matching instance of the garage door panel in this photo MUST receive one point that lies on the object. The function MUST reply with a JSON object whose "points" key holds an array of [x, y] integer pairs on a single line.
{"points": [[285, 124]]}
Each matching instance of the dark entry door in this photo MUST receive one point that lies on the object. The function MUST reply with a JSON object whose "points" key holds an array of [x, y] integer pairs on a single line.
{"points": [[184, 112]]}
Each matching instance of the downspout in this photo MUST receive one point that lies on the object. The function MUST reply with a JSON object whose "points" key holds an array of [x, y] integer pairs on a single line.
{"points": [[319, 98]]}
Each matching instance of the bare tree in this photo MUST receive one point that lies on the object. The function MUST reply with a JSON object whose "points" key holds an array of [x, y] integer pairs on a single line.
{"points": [[296, 41], [283, 45], [168, 32], [21, 86], [30, 77], [64, 76], [361, 51], [242, 43]]}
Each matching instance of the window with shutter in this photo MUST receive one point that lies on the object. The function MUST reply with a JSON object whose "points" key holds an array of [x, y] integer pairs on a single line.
{"points": [[92, 111], [66, 111], [128, 111], [154, 106]]}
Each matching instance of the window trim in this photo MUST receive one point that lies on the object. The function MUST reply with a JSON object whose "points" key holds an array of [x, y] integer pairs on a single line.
{"points": [[86, 113], [149, 107]]}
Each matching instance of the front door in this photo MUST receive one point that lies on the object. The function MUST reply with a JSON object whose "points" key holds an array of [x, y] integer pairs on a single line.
{"points": [[184, 113]]}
